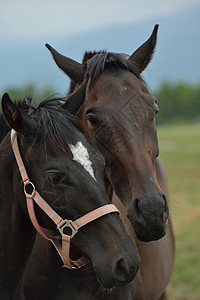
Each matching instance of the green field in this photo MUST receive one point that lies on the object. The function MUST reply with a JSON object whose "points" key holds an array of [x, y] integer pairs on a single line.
{"points": [[180, 152]]}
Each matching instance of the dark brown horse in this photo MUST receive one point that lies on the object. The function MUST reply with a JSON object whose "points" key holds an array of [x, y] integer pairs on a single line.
{"points": [[68, 173], [121, 115]]}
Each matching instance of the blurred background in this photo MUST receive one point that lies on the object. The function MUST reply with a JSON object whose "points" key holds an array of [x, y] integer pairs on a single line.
{"points": [[72, 27]]}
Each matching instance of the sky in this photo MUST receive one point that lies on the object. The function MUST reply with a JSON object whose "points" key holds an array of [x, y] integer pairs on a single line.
{"points": [[73, 26], [25, 19]]}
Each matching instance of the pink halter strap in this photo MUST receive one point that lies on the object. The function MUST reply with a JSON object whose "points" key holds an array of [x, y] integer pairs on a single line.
{"points": [[63, 248]]}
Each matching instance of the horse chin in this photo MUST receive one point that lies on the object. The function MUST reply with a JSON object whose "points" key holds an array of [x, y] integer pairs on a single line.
{"points": [[101, 290], [105, 283], [150, 234]]}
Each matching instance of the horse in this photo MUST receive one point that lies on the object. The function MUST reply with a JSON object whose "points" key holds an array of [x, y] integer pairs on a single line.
{"points": [[120, 113], [46, 156]]}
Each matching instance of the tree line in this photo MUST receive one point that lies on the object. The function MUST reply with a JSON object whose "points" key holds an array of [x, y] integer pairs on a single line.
{"points": [[178, 102]]}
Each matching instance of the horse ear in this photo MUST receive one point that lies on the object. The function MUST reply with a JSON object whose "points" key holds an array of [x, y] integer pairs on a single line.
{"points": [[76, 99], [70, 67], [143, 55], [16, 118]]}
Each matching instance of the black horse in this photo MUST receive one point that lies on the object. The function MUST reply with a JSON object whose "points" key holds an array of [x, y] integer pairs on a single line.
{"points": [[68, 173]]}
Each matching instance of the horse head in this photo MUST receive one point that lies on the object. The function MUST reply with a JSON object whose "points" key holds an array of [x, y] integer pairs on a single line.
{"points": [[68, 173], [121, 114]]}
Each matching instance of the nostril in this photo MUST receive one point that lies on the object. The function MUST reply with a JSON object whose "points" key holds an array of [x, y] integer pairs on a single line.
{"points": [[137, 210], [121, 271], [136, 206], [166, 208]]}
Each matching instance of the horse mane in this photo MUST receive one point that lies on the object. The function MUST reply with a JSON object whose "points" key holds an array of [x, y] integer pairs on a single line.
{"points": [[55, 122], [96, 63]]}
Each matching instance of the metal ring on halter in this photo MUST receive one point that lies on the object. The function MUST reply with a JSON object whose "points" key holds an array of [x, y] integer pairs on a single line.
{"points": [[33, 187], [75, 267], [68, 224]]}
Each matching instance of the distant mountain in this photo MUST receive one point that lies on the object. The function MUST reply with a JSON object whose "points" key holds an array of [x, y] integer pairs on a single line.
{"points": [[177, 54]]}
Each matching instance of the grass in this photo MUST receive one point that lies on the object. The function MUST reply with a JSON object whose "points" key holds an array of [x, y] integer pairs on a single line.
{"points": [[180, 152]]}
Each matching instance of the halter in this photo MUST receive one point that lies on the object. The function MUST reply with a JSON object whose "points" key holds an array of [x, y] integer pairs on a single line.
{"points": [[63, 248]]}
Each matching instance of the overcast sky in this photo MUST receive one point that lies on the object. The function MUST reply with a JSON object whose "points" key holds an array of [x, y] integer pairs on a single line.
{"points": [[24, 19], [73, 26]]}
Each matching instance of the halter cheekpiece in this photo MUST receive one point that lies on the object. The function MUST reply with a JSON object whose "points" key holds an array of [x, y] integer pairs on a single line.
{"points": [[63, 248]]}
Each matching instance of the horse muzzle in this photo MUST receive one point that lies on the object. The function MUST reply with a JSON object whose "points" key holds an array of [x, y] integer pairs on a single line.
{"points": [[149, 216]]}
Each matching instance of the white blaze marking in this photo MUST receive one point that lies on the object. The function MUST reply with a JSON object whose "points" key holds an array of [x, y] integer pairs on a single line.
{"points": [[80, 155]]}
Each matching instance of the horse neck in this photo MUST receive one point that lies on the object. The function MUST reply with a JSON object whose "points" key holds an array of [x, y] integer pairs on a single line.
{"points": [[17, 233]]}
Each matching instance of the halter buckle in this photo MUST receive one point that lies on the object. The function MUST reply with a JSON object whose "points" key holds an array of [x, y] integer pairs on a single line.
{"points": [[26, 183], [68, 224]]}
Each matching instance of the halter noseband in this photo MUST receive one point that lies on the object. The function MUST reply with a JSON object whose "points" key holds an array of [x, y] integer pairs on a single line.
{"points": [[63, 248]]}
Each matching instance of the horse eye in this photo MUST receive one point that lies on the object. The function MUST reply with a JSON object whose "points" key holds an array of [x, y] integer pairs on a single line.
{"points": [[92, 120], [54, 177]]}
